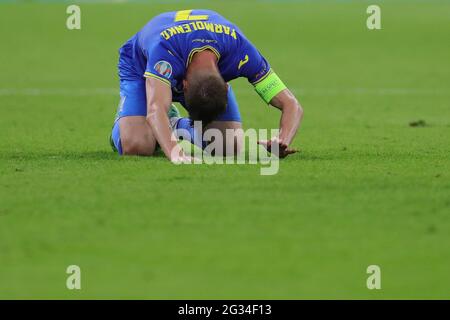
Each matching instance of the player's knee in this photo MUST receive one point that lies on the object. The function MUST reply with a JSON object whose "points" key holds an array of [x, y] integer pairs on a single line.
{"points": [[137, 147]]}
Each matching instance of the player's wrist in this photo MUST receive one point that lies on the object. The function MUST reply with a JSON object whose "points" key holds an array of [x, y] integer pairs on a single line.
{"points": [[175, 152]]}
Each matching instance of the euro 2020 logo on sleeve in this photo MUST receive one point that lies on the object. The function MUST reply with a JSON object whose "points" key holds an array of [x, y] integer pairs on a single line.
{"points": [[163, 68]]}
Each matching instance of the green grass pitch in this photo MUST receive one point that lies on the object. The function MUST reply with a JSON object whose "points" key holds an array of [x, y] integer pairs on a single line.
{"points": [[367, 188]]}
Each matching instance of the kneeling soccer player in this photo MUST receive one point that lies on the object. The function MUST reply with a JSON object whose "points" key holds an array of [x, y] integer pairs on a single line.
{"points": [[189, 57]]}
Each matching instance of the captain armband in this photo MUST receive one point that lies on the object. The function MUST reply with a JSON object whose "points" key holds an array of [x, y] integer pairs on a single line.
{"points": [[269, 86]]}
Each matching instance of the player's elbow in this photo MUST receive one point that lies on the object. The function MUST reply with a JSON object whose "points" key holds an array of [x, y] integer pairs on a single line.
{"points": [[295, 109], [299, 110], [152, 114]]}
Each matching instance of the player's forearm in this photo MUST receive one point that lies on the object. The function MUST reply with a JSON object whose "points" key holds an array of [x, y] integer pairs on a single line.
{"points": [[159, 122], [292, 114]]}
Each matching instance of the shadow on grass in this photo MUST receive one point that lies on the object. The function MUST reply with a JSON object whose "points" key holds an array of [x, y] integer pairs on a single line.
{"points": [[341, 153], [69, 155], [102, 155]]}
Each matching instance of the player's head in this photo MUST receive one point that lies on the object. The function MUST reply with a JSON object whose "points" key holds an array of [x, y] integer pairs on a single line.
{"points": [[206, 95]]}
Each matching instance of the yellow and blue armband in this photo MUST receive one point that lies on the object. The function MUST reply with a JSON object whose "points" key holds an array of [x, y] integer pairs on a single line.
{"points": [[269, 86]]}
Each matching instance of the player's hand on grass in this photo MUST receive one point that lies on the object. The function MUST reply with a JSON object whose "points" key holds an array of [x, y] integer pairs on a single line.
{"points": [[283, 149], [182, 159]]}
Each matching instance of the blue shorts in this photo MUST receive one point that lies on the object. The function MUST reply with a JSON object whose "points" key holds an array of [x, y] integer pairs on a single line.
{"points": [[133, 102]]}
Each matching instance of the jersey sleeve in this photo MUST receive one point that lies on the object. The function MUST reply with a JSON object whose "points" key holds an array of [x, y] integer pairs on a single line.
{"points": [[162, 65], [252, 65], [257, 70]]}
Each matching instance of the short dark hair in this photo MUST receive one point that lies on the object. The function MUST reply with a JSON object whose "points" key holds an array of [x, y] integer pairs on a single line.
{"points": [[206, 97]]}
